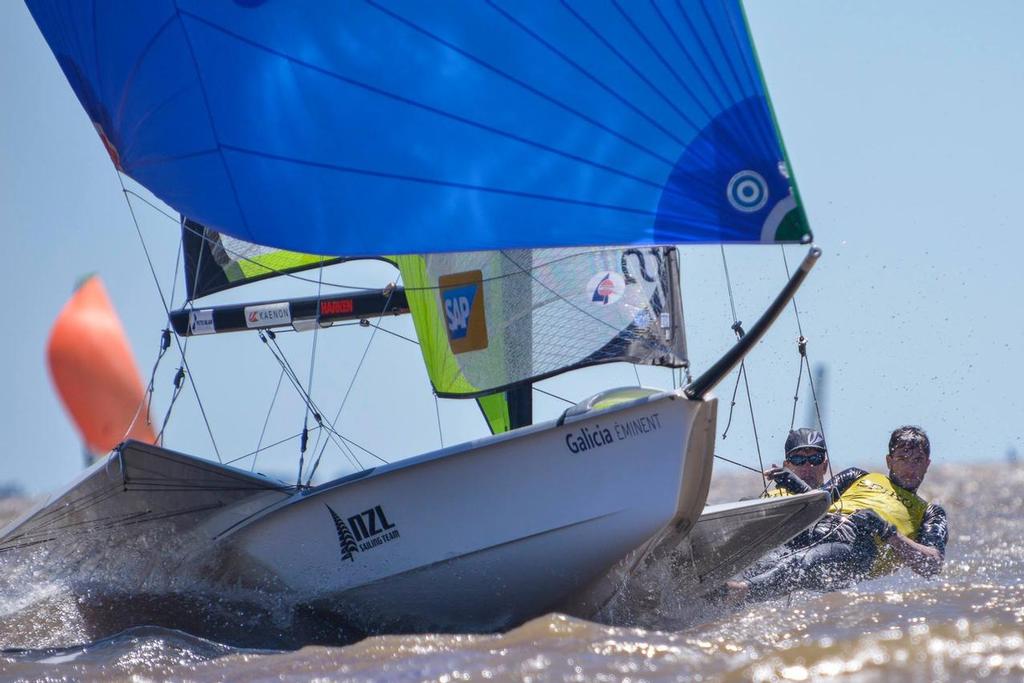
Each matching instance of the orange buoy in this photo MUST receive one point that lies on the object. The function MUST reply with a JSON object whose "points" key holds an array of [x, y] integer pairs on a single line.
{"points": [[95, 374]]}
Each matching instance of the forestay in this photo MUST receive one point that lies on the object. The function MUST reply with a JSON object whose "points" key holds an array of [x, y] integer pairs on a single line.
{"points": [[365, 128]]}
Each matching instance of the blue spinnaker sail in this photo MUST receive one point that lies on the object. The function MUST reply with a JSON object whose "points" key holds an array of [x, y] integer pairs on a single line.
{"points": [[387, 127]]}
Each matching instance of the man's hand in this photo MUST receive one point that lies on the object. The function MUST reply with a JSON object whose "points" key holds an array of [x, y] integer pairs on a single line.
{"points": [[786, 479], [869, 519]]}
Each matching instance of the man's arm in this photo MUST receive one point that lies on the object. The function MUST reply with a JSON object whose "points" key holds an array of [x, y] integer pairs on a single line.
{"points": [[927, 554], [838, 484], [787, 480]]}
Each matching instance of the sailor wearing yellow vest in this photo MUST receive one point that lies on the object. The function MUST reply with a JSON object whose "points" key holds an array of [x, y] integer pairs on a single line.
{"points": [[910, 531], [877, 523]]}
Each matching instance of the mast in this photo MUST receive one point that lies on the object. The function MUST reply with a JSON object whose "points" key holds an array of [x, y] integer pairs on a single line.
{"points": [[520, 405], [520, 398]]}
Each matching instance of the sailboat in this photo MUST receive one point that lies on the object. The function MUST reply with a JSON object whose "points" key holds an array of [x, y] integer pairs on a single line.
{"points": [[525, 169]]}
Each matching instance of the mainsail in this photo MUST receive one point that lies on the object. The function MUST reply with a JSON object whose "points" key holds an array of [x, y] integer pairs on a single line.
{"points": [[488, 321], [417, 127]]}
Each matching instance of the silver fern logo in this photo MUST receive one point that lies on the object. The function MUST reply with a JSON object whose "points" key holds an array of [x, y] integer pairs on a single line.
{"points": [[365, 531]]}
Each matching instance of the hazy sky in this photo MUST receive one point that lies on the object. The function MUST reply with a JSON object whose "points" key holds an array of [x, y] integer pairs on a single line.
{"points": [[902, 122]]}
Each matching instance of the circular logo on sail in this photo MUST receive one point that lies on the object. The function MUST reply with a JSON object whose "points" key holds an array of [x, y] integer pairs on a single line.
{"points": [[747, 191], [606, 288]]}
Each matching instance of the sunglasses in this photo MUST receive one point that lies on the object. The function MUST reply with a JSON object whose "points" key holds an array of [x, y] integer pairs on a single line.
{"points": [[815, 459]]}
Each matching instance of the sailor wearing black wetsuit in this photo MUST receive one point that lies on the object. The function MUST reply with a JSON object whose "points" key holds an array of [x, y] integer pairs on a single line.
{"points": [[876, 524]]}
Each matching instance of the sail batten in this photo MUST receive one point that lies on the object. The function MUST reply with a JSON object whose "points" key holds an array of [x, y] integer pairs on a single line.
{"points": [[360, 129]]}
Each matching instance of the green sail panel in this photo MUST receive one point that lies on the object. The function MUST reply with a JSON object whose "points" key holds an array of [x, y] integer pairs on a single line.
{"points": [[215, 261], [495, 410], [488, 321]]}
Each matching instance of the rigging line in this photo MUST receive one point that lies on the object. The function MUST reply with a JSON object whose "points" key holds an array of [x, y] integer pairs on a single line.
{"points": [[145, 249], [331, 434], [312, 369], [796, 394], [163, 301], [266, 421], [732, 403], [728, 284], [270, 339], [637, 373], [333, 437], [261, 449], [179, 382], [548, 393], [796, 309], [753, 424], [738, 464], [278, 353], [382, 329], [355, 375], [817, 410], [805, 361], [437, 411], [738, 329], [147, 396], [174, 278]]}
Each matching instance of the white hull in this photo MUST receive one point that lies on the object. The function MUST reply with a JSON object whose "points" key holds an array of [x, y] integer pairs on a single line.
{"points": [[479, 536]]}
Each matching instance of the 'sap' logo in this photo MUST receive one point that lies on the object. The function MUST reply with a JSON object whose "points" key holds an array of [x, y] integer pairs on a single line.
{"points": [[462, 300], [458, 304]]}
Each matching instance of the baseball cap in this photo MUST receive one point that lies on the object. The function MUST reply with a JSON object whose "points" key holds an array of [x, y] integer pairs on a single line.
{"points": [[805, 438]]}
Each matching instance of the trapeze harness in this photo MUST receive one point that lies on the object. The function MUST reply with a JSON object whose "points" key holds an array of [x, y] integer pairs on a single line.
{"points": [[902, 508], [833, 555]]}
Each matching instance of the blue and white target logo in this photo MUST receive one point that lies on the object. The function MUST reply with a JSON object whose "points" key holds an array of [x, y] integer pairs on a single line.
{"points": [[747, 191]]}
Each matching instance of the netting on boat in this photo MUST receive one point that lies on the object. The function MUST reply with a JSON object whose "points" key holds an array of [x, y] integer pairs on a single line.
{"points": [[490, 320]]}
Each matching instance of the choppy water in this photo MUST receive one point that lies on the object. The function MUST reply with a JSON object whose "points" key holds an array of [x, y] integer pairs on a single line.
{"points": [[966, 625]]}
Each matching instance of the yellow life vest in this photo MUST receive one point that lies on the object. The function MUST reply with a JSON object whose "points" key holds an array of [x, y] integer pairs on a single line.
{"points": [[778, 492], [902, 508]]}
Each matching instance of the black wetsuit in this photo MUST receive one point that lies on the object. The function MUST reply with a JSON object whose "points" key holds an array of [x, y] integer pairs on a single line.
{"points": [[837, 551]]}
